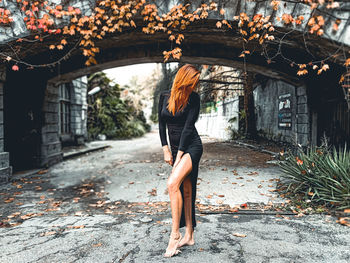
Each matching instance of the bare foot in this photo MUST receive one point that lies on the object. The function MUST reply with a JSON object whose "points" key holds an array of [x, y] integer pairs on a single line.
{"points": [[187, 240], [173, 245]]}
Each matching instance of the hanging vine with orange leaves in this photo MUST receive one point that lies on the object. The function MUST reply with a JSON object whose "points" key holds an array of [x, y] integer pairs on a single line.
{"points": [[42, 19]]}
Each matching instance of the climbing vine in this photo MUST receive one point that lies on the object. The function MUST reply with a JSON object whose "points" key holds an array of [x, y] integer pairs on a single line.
{"points": [[69, 24]]}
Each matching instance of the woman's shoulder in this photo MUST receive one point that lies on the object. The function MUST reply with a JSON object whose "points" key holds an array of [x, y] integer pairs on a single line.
{"points": [[195, 95]]}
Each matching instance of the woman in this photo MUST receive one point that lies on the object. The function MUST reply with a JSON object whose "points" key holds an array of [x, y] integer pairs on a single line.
{"points": [[178, 109]]}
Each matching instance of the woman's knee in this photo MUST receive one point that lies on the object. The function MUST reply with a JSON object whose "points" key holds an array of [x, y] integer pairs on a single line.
{"points": [[172, 185]]}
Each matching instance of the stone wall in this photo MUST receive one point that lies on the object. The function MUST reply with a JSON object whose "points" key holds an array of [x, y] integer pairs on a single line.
{"points": [[266, 99], [5, 168], [216, 123], [79, 110], [50, 145]]}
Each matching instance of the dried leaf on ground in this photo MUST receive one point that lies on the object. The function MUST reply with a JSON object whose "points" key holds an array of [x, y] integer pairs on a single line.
{"points": [[97, 245], [239, 235], [48, 233], [344, 221], [153, 192]]}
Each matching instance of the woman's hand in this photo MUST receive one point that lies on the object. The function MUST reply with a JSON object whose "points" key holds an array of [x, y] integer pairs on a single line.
{"points": [[178, 158], [168, 158]]}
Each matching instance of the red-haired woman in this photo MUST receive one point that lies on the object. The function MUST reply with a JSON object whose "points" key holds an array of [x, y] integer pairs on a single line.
{"points": [[178, 109]]}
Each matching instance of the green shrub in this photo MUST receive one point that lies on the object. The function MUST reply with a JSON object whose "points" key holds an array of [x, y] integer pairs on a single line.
{"points": [[319, 173], [110, 115]]}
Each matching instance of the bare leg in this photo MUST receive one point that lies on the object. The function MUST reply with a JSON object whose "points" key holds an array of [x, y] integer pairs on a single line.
{"points": [[188, 239], [175, 179]]}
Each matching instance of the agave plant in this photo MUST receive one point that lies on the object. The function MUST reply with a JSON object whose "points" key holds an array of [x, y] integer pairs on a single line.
{"points": [[321, 173]]}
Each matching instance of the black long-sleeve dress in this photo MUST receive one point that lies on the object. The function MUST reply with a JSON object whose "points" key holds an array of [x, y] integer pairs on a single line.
{"points": [[183, 136]]}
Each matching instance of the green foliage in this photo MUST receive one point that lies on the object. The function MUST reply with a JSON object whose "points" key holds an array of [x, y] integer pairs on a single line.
{"points": [[234, 133], [319, 173], [110, 115]]}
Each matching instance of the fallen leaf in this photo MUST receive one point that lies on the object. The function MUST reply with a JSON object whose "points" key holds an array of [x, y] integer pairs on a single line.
{"points": [[48, 233], [79, 213], [153, 192], [97, 245], [344, 221], [239, 235], [9, 200], [244, 205], [77, 227]]}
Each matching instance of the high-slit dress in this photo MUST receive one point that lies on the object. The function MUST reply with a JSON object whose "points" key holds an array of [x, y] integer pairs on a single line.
{"points": [[183, 136]]}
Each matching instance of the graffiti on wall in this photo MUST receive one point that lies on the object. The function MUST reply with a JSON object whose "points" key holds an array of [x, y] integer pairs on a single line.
{"points": [[284, 111]]}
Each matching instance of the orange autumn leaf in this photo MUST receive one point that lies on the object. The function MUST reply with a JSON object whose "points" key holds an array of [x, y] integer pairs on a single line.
{"points": [[239, 235]]}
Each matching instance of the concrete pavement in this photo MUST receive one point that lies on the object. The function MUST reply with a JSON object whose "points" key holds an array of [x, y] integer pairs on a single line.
{"points": [[112, 206]]}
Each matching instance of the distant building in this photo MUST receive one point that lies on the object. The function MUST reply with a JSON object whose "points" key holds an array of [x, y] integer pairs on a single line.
{"points": [[37, 121], [73, 112]]}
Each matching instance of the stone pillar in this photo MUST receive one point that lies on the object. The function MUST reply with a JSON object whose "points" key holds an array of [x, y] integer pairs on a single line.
{"points": [[5, 168], [51, 152], [79, 110], [303, 119]]}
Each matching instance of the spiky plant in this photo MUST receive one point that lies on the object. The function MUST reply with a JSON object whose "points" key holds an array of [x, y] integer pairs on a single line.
{"points": [[321, 173]]}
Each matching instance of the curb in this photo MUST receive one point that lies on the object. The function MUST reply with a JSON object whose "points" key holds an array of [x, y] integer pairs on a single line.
{"points": [[19, 175], [253, 147], [81, 152]]}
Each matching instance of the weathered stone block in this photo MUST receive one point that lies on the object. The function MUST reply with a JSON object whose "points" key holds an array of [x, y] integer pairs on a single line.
{"points": [[51, 118], [51, 148], [4, 160], [51, 106], [303, 139], [53, 89], [302, 118], [302, 99], [51, 159], [303, 128], [2, 75], [301, 91], [50, 137], [1, 145], [51, 97], [302, 108], [1, 116], [5, 174], [49, 128]]}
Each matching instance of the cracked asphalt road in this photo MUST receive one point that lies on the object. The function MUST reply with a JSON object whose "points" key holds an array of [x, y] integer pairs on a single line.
{"points": [[112, 206]]}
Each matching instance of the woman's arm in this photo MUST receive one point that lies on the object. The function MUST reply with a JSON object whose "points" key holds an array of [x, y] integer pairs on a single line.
{"points": [[161, 122], [168, 158]]}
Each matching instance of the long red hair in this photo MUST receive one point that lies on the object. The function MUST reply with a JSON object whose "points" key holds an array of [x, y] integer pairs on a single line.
{"points": [[185, 82]]}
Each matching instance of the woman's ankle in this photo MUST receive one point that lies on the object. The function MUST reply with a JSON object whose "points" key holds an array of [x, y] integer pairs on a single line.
{"points": [[189, 232], [175, 234]]}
